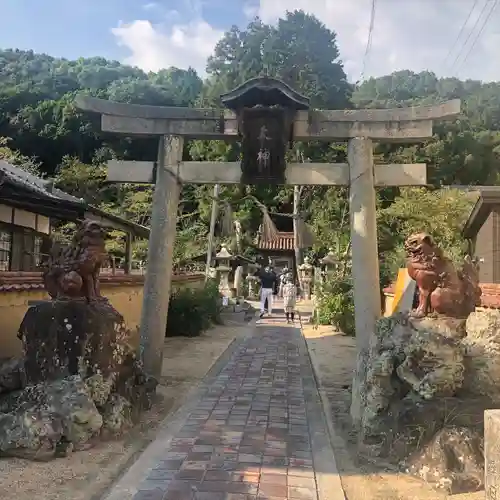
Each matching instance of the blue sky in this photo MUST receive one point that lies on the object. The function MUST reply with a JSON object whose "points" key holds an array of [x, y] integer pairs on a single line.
{"points": [[152, 34], [82, 28]]}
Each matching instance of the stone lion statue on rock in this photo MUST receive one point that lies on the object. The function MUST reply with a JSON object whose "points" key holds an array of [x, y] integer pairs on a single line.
{"points": [[441, 288], [73, 271]]}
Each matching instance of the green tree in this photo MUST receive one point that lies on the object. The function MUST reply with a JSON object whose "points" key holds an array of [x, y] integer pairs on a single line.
{"points": [[17, 159], [300, 50], [37, 111], [186, 85], [441, 213]]}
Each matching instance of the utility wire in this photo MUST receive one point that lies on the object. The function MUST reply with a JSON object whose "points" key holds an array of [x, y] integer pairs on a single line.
{"points": [[460, 32], [488, 17], [369, 41], [470, 34]]}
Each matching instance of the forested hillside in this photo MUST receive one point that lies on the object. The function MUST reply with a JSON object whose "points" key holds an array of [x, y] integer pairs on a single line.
{"points": [[38, 122]]}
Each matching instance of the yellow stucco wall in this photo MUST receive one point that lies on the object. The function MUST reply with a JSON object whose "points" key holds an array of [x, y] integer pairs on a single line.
{"points": [[126, 298]]}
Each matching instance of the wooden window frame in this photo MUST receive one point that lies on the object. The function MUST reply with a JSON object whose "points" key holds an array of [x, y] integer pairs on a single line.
{"points": [[8, 231], [23, 255]]}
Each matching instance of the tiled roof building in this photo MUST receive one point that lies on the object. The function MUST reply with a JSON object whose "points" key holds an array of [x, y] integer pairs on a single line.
{"points": [[27, 206]]}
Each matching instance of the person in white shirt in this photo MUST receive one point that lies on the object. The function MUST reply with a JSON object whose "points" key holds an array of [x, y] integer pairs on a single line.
{"points": [[289, 298], [282, 280]]}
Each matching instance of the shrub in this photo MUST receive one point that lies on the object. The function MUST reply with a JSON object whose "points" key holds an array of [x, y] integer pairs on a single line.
{"points": [[335, 304], [192, 311]]}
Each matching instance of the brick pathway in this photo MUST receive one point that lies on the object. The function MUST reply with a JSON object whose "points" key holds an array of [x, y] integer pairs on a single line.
{"points": [[257, 431]]}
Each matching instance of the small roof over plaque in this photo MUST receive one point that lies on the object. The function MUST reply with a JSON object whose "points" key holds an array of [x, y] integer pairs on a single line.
{"points": [[265, 91]]}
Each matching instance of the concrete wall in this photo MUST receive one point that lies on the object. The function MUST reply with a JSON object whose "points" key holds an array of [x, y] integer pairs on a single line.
{"points": [[123, 291]]}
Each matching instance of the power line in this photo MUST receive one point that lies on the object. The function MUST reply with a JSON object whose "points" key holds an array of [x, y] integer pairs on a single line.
{"points": [[493, 7], [461, 31], [369, 41], [470, 34]]}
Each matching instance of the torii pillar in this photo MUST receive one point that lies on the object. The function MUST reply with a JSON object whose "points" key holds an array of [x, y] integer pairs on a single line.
{"points": [[364, 248], [158, 283], [359, 127]]}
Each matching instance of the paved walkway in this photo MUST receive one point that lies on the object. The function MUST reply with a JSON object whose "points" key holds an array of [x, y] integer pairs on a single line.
{"points": [[255, 430]]}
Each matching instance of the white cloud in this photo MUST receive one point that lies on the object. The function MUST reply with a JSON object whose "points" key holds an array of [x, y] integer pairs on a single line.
{"points": [[150, 6], [408, 34], [154, 47]]}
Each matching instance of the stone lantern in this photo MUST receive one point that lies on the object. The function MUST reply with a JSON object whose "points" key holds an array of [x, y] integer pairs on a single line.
{"points": [[223, 268], [330, 262], [306, 271], [252, 282]]}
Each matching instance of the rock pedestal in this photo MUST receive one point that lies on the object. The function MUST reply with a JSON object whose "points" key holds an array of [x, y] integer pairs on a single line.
{"points": [[79, 379], [492, 454], [62, 338], [46, 420], [11, 372], [418, 413], [482, 349], [451, 460]]}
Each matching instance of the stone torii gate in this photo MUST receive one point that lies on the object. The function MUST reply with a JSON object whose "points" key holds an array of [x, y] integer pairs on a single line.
{"points": [[265, 114]]}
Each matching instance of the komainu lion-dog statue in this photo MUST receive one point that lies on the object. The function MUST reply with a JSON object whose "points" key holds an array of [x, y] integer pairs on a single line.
{"points": [[441, 288], [73, 271]]}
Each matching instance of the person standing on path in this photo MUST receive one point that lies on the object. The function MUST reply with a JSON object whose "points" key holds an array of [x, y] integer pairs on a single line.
{"points": [[289, 298], [282, 278], [268, 283]]}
